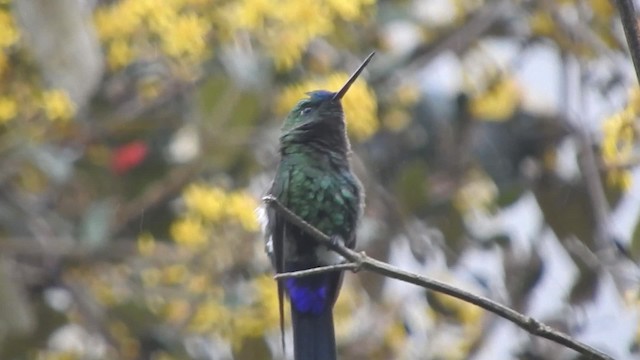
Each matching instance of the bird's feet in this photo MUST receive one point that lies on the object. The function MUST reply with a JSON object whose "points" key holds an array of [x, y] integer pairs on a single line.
{"points": [[336, 241]]}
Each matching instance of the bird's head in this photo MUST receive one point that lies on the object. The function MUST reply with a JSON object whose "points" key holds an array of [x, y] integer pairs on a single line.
{"points": [[320, 113]]}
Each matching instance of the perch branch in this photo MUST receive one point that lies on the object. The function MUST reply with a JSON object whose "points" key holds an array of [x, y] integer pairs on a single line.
{"points": [[319, 270], [527, 323]]}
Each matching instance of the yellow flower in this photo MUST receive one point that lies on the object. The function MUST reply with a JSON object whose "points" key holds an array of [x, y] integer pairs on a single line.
{"points": [[214, 205], [247, 323], [205, 200], [119, 54], [8, 32], [250, 14], [286, 47], [186, 37], [189, 232], [344, 309], [146, 244], [360, 105], [541, 23], [498, 103], [241, 206], [349, 10], [396, 120], [619, 141], [478, 192], [396, 335], [8, 109], [58, 106], [118, 21], [634, 99], [160, 18], [176, 311], [174, 274], [407, 94], [622, 179], [287, 29], [267, 299], [312, 17], [603, 9], [209, 315]]}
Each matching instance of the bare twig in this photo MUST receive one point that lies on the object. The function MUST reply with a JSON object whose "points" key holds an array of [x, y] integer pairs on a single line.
{"points": [[589, 166], [527, 323], [319, 270], [630, 24]]}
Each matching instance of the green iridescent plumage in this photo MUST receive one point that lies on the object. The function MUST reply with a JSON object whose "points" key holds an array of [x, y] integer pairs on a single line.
{"points": [[324, 193]]}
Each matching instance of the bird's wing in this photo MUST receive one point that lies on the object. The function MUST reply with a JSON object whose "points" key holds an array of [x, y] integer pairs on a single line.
{"points": [[354, 196]]}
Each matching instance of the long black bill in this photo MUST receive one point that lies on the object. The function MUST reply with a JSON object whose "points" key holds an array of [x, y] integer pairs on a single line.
{"points": [[353, 78]]}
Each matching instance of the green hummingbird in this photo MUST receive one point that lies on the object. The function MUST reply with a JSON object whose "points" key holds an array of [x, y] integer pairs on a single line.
{"points": [[314, 179]]}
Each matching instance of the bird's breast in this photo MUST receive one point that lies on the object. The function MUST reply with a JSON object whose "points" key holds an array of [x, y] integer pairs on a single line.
{"points": [[328, 199]]}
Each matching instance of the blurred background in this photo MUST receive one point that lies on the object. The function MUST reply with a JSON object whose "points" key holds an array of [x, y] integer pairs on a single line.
{"points": [[497, 142]]}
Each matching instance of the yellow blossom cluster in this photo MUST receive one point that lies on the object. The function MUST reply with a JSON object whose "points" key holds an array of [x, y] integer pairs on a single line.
{"points": [[360, 104], [17, 98], [208, 316], [250, 318], [208, 206], [467, 317], [9, 35], [8, 109], [478, 192], [57, 105], [254, 319], [498, 102], [189, 231], [620, 133], [146, 244], [186, 293], [601, 22], [287, 28], [181, 28], [133, 28]]}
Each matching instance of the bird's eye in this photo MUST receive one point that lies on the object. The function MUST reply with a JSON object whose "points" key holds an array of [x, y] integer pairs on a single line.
{"points": [[305, 111]]}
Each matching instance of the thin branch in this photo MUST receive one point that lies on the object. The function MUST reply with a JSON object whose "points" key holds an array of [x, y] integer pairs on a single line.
{"points": [[588, 163], [353, 266], [630, 24], [527, 323]]}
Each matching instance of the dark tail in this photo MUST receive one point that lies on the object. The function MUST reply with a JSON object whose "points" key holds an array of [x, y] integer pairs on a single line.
{"points": [[313, 336]]}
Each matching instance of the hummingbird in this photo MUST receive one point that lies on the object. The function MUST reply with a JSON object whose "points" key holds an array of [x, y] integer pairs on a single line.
{"points": [[314, 180]]}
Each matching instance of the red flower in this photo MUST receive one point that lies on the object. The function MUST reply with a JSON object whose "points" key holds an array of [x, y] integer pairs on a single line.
{"points": [[128, 156]]}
